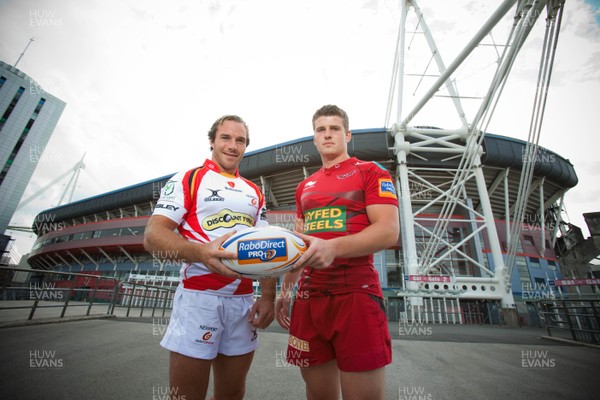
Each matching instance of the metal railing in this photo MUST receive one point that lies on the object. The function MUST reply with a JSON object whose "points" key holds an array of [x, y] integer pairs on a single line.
{"points": [[579, 318], [66, 290], [450, 310], [142, 296]]}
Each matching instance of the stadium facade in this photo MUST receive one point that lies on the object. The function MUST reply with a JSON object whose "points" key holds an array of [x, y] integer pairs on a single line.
{"points": [[104, 234]]}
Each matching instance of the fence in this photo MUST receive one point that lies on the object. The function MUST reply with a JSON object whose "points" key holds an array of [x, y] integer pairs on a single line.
{"points": [[578, 318], [52, 289], [443, 310], [64, 290]]}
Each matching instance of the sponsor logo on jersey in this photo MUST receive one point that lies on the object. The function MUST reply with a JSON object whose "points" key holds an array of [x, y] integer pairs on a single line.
{"points": [[167, 206], [232, 189], [256, 251], [298, 344], [214, 196], [309, 184], [226, 219], [346, 175], [386, 188], [325, 219]]}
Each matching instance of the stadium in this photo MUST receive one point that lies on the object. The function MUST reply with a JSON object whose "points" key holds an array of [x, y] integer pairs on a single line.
{"points": [[103, 234]]}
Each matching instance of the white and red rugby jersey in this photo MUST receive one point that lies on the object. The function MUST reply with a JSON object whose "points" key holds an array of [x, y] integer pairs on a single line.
{"points": [[207, 204]]}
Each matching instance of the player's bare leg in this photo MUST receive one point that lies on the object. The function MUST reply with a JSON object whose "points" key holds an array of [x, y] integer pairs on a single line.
{"points": [[363, 385], [230, 376], [322, 381], [188, 377]]}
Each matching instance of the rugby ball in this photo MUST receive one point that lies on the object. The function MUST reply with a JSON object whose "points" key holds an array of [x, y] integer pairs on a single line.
{"points": [[263, 252]]}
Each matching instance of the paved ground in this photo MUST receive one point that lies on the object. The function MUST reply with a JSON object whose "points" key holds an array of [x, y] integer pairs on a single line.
{"points": [[120, 358]]}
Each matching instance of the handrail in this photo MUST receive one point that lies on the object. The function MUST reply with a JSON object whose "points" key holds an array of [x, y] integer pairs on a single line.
{"points": [[580, 317], [118, 293]]}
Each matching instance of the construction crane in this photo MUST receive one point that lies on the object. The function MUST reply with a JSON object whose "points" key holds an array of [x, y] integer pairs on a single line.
{"points": [[75, 170]]}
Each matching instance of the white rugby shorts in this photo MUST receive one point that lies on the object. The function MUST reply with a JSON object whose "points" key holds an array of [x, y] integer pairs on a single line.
{"points": [[204, 325]]}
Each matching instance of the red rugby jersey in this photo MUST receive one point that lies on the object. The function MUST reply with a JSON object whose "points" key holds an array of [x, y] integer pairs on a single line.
{"points": [[332, 202]]}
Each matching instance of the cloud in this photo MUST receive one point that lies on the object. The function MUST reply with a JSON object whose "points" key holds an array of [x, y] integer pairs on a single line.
{"points": [[143, 80]]}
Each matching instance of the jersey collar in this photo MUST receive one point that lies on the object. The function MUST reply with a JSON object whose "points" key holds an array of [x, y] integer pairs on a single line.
{"points": [[210, 164], [348, 161]]}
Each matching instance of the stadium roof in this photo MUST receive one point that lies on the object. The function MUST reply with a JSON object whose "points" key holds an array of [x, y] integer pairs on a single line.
{"points": [[286, 164]]}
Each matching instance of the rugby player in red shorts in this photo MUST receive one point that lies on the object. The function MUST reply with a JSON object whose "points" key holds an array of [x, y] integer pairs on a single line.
{"points": [[347, 210]]}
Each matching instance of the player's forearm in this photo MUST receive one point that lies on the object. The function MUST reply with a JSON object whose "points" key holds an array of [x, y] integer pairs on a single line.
{"points": [[169, 245], [268, 287], [289, 281]]}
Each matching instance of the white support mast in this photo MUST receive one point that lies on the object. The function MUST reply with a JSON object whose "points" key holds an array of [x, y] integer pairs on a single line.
{"points": [[434, 251]]}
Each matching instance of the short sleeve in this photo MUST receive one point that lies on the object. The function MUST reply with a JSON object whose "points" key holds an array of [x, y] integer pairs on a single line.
{"points": [[171, 203], [379, 186]]}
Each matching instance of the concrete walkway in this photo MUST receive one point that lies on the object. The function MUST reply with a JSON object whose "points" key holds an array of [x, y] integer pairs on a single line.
{"points": [[120, 358]]}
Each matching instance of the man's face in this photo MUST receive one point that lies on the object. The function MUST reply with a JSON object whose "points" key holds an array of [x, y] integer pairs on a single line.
{"points": [[229, 146], [330, 138]]}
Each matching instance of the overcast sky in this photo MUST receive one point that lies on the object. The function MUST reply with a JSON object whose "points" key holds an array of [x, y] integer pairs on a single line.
{"points": [[144, 80]]}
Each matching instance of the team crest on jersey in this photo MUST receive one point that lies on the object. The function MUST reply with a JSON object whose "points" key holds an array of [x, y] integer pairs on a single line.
{"points": [[386, 188], [168, 188], [346, 175]]}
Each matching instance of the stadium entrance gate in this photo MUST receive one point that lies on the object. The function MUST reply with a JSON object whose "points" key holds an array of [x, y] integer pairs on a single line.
{"points": [[443, 310]]}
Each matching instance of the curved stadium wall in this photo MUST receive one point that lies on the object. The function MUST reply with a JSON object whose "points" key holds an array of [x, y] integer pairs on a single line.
{"points": [[104, 234]]}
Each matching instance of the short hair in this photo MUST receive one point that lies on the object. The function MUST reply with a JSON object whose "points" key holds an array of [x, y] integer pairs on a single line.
{"points": [[331, 110], [212, 133]]}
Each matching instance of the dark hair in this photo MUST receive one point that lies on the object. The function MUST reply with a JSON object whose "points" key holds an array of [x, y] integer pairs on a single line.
{"points": [[212, 133], [331, 110]]}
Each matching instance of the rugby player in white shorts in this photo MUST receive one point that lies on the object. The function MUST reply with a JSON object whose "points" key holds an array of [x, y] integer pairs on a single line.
{"points": [[214, 319]]}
